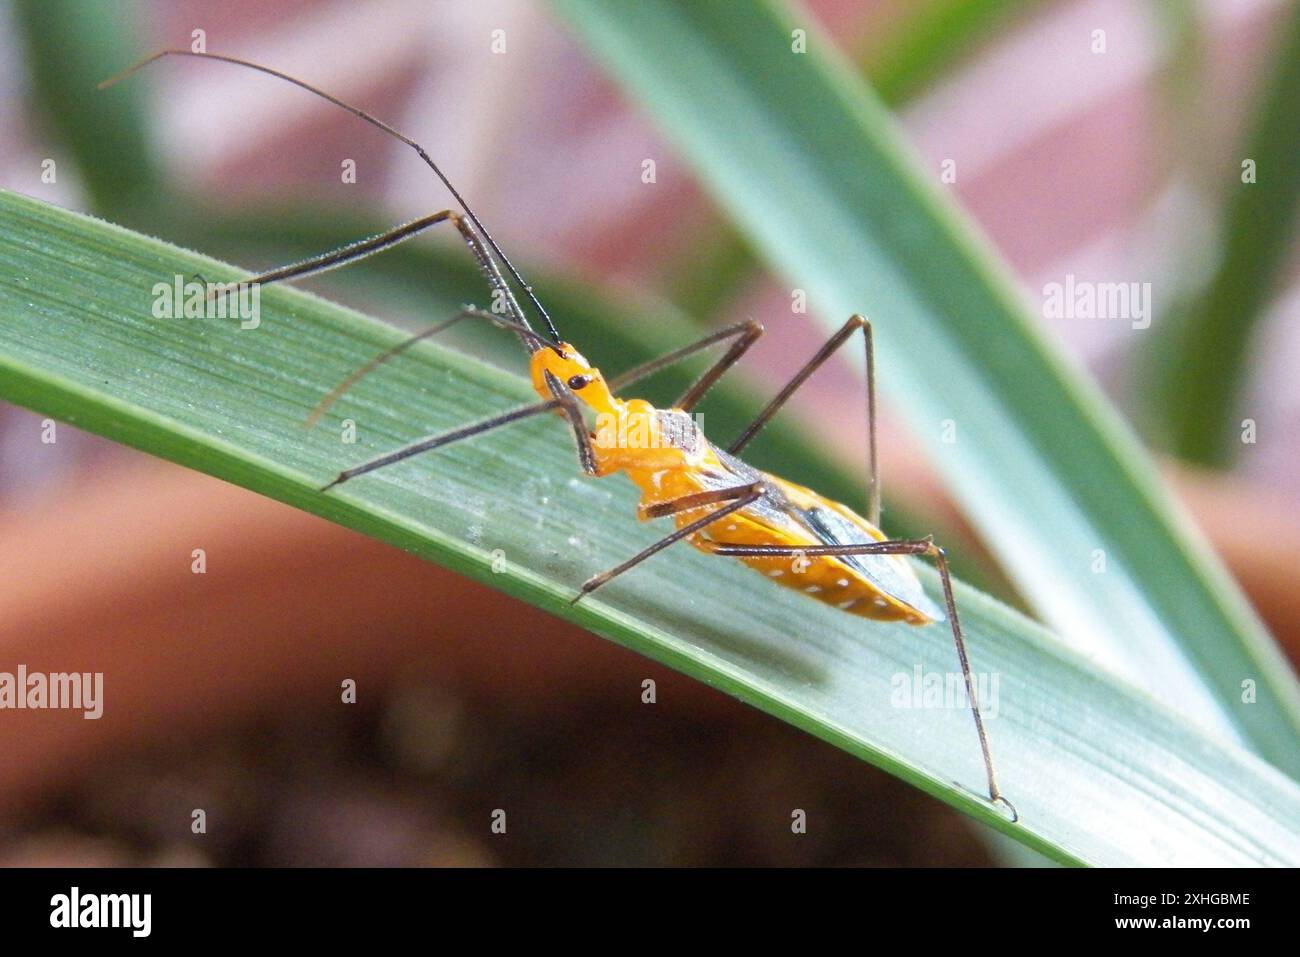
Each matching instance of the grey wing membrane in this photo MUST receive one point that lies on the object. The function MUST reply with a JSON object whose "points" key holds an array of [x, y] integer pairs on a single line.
{"points": [[772, 508], [832, 528]]}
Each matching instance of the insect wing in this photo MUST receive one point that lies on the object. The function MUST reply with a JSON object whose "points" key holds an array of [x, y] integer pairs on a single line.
{"points": [[885, 572]]}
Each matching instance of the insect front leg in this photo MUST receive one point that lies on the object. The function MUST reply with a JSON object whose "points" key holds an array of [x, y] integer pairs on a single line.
{"points": [[745, 333], [362, 249], [371, 365], [350, 253], [569, 404], [922, 546], [564, 401], [441, 439]]}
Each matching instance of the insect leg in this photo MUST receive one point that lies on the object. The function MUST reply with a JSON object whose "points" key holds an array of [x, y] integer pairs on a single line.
{"points": [[746, 334], [348, 253], [337, 392], [825, 352], [573, 412], [564, 401], [443, 438], [925, 547], [353, 252], [737, 498]]}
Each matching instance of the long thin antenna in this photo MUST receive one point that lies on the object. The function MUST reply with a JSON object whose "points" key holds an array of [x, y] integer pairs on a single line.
{"points": [[373, 121]]}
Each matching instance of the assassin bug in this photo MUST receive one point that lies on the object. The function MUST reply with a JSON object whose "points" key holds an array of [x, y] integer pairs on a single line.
{"points": [[719, 504]]}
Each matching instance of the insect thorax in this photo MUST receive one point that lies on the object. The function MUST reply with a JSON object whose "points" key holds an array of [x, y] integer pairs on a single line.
{"points": [[636, 431]]}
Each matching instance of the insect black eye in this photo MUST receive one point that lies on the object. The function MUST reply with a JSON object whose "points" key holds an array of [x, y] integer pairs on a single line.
{"points": [[579, 382]]}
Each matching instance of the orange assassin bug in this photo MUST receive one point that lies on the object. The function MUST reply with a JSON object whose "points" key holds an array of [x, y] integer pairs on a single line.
{"points": [[720, 505]]}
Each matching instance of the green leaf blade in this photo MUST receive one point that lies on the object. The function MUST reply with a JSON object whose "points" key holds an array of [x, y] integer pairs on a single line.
{"points": [[1115, 778]]}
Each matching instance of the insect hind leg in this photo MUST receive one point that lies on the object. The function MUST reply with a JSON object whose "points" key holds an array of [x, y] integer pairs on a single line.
{"points": [[927, 548]]}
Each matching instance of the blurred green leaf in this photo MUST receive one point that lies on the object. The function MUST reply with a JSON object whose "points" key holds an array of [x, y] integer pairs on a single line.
{"points": [[813, 169], [1114, 778], [70, 45], [932, 38], [1191, 380], [927, 41]]}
